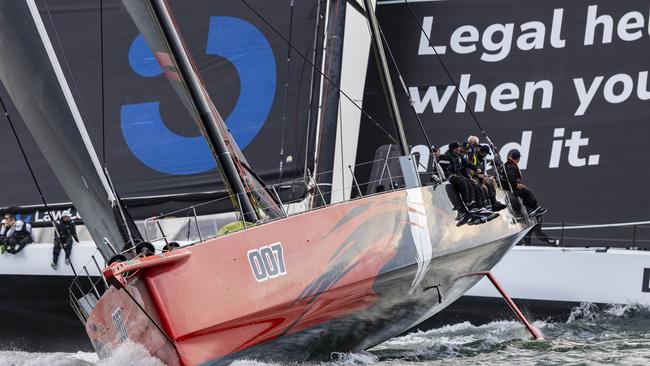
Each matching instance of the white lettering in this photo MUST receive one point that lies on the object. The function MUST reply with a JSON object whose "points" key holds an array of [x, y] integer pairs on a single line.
{"points": [[642, 89], [534, 39], [609, 92], [425, 48], [593, 21], [503, 92], [585, 96], [502, 46], [630, 21], [431, 97], [465, 89], [464, 34], [556, 29], [574, 145], [556, 150], [529, 94]]}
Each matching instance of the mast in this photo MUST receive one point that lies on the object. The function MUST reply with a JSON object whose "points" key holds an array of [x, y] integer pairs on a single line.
{"points": [[385, 77], [179, 64], [326, 130], [209, 120], [314, 88]]}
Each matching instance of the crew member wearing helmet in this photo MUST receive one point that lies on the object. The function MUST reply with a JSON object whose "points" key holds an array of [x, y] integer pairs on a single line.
{"points": [[63, 235]]}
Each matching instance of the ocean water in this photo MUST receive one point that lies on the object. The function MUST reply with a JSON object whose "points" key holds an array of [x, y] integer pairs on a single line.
{"points": [[590, 336]]}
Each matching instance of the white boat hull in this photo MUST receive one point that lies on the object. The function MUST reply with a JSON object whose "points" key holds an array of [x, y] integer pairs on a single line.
{"points": [[573, 275]]}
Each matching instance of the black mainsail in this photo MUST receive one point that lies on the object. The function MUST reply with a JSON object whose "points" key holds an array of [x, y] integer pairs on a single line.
{"points": [[155, 22], [34, 80]]}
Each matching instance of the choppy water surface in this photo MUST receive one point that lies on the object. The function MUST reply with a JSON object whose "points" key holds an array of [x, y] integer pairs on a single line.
{"points": [[616, 335]]}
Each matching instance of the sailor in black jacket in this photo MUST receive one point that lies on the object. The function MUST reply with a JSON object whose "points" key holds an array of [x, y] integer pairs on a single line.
{"points": [[487, 182], [15, 234], [454, 167], [459, 171], [63, 235], [514, 183]]}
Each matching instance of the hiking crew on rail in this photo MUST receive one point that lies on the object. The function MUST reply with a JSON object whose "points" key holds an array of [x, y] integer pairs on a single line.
{"points": [[14, 234], [65, 231], [465, 166]]}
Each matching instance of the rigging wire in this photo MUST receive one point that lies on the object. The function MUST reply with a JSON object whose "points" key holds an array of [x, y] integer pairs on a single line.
{"points": [[29, 166], [444, 67], [286, 91], [83, 106], [408, 95], [377, 60], [403, 85], [284, 39], [460, 94]]}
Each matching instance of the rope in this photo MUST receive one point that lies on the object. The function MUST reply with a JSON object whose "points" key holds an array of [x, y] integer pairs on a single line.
{"points": [[284, 39], [403, 85], [453, 82], [417, 116], [29, 166]]}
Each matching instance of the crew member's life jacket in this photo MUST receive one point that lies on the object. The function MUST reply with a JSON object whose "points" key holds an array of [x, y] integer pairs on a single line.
{"points": [[19, 230], [67, 230]]}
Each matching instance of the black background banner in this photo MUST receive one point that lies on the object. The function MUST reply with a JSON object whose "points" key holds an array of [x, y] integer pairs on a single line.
{"points": [[138, 125], [597, 172]]}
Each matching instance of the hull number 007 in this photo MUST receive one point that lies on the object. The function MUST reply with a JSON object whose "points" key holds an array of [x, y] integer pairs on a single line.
{"points": [[267, 262]]}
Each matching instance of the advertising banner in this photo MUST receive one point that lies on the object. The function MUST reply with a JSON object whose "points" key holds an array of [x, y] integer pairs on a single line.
{"points": [[148, 141], [564, 82]]}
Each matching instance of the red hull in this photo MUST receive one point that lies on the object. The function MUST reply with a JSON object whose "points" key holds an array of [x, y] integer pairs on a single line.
{"points": [[211, 305]]}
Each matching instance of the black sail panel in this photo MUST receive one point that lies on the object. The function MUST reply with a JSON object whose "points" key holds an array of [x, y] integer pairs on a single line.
{"points": [[198, 103], [33, 78], [143, 133]]}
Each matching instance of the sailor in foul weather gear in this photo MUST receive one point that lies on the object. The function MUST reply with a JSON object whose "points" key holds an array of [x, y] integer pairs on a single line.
{"points": [[513, 182], [470, 172], [458, 171], [489, 184], [453, 166], [63, 235], [472, 146], [17, 234]]}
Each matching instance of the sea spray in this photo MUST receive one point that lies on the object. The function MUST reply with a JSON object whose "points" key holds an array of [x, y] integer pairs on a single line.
{"points": [[127, 354], [131, 354], [592, 334]]}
